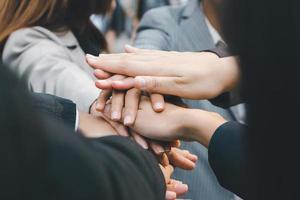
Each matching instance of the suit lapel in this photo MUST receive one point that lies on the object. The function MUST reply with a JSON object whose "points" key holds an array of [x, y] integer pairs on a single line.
{"points": [[195, 28]]}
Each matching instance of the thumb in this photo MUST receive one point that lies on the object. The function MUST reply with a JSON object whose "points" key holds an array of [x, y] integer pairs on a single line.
{"points": [[157, 84]]}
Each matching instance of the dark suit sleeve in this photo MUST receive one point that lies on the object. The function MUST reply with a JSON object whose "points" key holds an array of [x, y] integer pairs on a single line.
{"points": [[231, 98], [58, 108], [113, 168], [229, 158], [227, 99]]}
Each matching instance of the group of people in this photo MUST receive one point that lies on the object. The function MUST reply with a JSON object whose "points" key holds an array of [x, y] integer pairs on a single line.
{"points": [[202, 105]]}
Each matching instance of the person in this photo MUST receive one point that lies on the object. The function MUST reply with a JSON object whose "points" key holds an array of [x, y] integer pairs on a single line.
{"points": [[190, 28], [39, 155], [254, 163], [91, 126], [59, 32]]}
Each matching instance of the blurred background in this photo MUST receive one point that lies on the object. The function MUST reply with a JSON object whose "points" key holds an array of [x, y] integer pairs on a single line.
{"points": [[120, 24]]}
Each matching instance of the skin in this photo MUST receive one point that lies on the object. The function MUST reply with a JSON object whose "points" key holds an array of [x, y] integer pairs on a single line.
{"points": [[97, 126], [189, 75], [178, 123]]}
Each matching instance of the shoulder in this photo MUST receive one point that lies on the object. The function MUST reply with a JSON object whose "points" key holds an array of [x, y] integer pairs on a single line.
{"points": [[163, 15], [31, 35], [36, 40]]}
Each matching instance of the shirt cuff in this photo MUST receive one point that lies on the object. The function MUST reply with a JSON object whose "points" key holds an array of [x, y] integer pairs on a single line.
{"points": [[77, 120]]}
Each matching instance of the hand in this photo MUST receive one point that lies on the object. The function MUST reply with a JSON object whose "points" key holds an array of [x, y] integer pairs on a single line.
{"points": [[128, 99], [94, 127], [176, 123], [189, 75], [174, 188]]}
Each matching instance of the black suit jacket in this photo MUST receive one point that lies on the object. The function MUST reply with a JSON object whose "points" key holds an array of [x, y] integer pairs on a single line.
{"points": [[229, 155], [42, 159], [61, 109]]}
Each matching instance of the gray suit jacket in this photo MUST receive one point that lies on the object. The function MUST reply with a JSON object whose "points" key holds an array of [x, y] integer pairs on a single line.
{"points": [[51, 63], [183, 28]]}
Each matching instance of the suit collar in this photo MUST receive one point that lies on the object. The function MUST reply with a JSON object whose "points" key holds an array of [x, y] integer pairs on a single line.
{"points": [[65, 38], [191, 7], [193, 19]]}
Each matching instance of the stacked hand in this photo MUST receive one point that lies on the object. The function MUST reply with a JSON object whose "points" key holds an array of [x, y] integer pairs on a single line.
{"points": [[123, 77], [100, 126]]}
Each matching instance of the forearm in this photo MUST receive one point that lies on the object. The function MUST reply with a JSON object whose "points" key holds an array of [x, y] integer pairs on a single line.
{"points": [[201, 125], [61, 109], [229, 157]]}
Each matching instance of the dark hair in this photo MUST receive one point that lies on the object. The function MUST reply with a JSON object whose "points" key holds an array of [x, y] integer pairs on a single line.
{"points": [[56, 15], [265, 34]]}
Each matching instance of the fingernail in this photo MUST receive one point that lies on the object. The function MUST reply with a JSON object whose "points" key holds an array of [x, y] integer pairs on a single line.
{"points": [[143, 143], [170, 195], [115, 116], [158, 106], [194, 157], [142, 82], [128, 120], [185, 186]]}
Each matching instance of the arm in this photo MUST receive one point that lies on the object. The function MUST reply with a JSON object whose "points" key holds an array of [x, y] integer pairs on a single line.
{"points": [[46, 68], [227, 141], [228, 154], [61, 109], [39, 155]]}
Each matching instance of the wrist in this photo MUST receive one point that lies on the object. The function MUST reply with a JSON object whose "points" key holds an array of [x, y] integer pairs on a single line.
{"points": [[230, 73], [198, 125]]}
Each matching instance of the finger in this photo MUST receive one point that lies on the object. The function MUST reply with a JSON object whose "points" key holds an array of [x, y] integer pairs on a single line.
{"points": [[132, 100], [161, 85], [119, 128], [129, 64], [107, 111], [100, 74], [164, 160], [186, 154], [175, 144], [158, 102], [123, 84], [102, 99], [140, 140], [180, 161], [167, 172], [107, 83], [177, 187], [157, 148], [117, 104], [170, 195]]}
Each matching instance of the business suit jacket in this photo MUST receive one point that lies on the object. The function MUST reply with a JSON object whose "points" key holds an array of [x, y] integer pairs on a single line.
{"points": [[183, 28], [42, 159], [51, 63], [61, 109]]}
